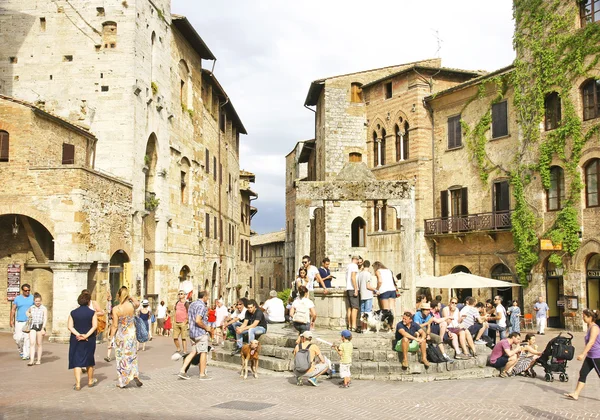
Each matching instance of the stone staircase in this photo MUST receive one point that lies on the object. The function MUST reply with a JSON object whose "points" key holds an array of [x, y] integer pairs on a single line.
{"points": [[373, 357]]}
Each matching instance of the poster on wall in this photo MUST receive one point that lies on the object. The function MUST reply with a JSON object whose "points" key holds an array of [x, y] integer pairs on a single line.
{"points": [[14, 281]]}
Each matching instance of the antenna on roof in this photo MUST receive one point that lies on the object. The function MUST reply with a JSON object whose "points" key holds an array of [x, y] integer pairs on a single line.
{"points": [[439, 43]]}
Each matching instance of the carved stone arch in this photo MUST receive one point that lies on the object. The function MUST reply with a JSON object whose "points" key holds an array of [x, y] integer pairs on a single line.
{"points": [[382, 125], [396, 118], [19, 209], [590, 246], [589, 153]]}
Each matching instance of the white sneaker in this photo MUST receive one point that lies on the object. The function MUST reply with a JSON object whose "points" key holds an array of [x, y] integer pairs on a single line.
{"points": [[479, 342]]}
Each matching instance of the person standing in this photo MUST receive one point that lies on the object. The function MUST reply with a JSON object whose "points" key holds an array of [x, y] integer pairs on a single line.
{"points": [[123, 334], [18, 319], [144, 314], [365, 292], [312, 273], [514, 313], [386, 288], [325, 273], [199, 333], [591, 352], [344, 350], [39, 317], [222, 314], [352, 299], [181, 322], [82, 324], [161, 313], [302, 312], [542, 313]]}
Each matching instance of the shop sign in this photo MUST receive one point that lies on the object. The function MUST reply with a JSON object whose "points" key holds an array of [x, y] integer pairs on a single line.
{"points": [[14, 281], [548, 245]]}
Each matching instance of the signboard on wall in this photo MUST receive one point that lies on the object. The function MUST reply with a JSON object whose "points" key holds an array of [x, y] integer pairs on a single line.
{"points": [[548, 245], [14, 281]]}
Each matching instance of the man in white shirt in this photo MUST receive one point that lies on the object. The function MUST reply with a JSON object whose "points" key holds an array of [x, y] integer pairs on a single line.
{"points": [[161, 314], [542, 312], [366, 291], [353, 301], [237, 317], [312, 273], [222, 314], [273, 309], [500, 324]]}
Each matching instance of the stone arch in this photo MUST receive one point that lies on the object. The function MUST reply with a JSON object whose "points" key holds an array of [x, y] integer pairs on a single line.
{"points": [[185, 85], [589, 246], [20, 209], [358, 229], [184, 273], [119, 272], [460, 269], [377, 125], [399, 117], [150, 162]]}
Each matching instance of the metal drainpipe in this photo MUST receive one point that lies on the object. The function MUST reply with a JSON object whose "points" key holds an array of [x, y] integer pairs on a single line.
{"points": [[430, 110]]}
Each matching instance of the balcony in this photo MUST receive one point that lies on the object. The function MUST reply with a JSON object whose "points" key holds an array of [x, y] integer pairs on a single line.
{"points": [[482, 222]]}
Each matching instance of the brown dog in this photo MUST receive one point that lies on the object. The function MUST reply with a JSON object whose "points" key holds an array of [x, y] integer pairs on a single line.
{"points": [[250, 353]]}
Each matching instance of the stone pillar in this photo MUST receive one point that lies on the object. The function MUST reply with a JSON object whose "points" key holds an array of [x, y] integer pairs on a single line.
{"points": [[330, 307], [70, 278], [405, 211], [302, 246]]}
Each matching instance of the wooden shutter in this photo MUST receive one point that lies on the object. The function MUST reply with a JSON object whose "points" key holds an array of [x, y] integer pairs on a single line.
{"points": [[220, 173], [3, 146], [214, 168], [444, 202], [221, 230], [207, 167], [454, 132], [502, 198], [499, 119], [207, 227], [464, 202], [68, 154]]}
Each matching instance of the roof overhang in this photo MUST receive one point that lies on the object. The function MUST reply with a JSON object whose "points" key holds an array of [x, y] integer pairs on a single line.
{"points": [[189, 33], [207, 75], [314, 92], [307, 148]]}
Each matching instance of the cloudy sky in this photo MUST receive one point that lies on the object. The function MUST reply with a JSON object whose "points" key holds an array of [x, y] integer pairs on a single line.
{"points": [[268, 52]]}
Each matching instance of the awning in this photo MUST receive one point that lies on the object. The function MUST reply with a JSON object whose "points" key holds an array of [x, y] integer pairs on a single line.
{"points": [[462, 281]]}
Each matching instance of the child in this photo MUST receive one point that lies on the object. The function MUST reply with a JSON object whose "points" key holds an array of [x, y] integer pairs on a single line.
{"points": [[515, 321], [212, 321], [168, 323], [345, 352]]}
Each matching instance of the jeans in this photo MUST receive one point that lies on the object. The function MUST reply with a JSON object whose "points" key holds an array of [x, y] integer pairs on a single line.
{"points": [[233, 326], [497, 327], [252, 333]]}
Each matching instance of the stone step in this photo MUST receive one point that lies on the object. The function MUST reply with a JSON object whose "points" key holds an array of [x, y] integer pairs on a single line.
{"points": [[265, 362]]}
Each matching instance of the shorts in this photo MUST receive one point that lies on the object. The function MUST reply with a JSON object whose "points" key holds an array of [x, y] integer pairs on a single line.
{"points": [[212, 324], [180, 329], [391, 294], [474, 329], [353, 301], [160, 322], [201, 344], [434, 338], [344, 370], [300, 327], [500, 362], [366, 305], [36, 327]]}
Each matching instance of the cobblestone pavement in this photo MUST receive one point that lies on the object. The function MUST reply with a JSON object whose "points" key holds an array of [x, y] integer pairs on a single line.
{"points": [[45, 391]]}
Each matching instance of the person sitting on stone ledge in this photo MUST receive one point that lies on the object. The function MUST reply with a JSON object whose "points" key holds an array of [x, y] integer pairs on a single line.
{"points": [[503, 357], [425, 320], [254, 324], [412, 337], [273, 309], [473, 321], [455, 326], [235, 319]]}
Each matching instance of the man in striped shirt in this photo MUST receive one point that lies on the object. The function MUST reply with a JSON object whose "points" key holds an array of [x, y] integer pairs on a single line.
{"points": [[475, 323]]}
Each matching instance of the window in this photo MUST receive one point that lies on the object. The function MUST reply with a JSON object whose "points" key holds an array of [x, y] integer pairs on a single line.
{"points": [[241, 250], [454, 132], [501, 196], [221, 230], [13, 60], [220, 174], [591, 104], [262, 284], [207, 167], [247, 250], [402, 142], [207, 225], [500, 119], [222, 122], [250, 256], [183, 184], [109, 34], [592, 180], [262, 253], [67, 58], [382, 148], [214, 168], [355, 157], [358, 232], [589, 11], [3, 146], [459, 202], [375, 150], [250, 282], [552, 111], [356, 93], [215, 231], [556, 193], [68, 154], [43, 24], [379, 215], [388, 90]]}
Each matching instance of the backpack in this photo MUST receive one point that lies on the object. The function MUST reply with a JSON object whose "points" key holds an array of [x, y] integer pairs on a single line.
{"points": [[141, 329], [434, 354], [302, 360], [302, 313], [489, 343]]}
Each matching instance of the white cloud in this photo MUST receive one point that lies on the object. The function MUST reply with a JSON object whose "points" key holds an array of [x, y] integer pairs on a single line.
{"points": [[269, 51]]}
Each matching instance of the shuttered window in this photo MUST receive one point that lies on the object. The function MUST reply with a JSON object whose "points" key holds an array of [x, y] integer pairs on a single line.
{"points": [[3, 146], [591, 99], [500, 119], [454, 132], [501, 196], [207, 225], [207, 166], [444, 203], [552, 111], [68, 154]]}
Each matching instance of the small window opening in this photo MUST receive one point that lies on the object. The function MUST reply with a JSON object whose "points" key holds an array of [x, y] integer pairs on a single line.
{"points": [[43, 24], [13, 60], [356, 93], [102, 75], [100, 11], [50, 77], [104, 88], [388, 90], [68, 154], [68, 58], [355, 157]]}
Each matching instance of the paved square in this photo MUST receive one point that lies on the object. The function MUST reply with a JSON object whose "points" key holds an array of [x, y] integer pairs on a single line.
{"points": [[45, 392]]}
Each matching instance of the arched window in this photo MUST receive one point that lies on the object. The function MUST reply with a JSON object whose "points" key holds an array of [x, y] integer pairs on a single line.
{"points": [[590, 92], [3, 146], [375, 150], [592, 180], [401, 141], [359, 228], [382, 147], [185, 178], [355, 157], [379, 215], [460, 269], [185, 85], [109, 34], [552, 111], [556, 193]]}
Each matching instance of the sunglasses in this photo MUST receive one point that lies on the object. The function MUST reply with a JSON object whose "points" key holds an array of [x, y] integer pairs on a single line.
{"points": [[304, 262], [181, 294], [26, 290], [453, 303]]}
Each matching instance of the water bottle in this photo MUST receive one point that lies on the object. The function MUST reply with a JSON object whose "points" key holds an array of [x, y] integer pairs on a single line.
{"points": [[333, 372]]}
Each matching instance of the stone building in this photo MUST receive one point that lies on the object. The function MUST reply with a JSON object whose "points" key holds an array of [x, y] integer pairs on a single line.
{"points": [[60, 219], [269, 274], [134, 74], [246, 262]]}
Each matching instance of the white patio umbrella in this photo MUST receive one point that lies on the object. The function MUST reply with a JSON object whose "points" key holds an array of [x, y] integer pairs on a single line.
{"points": [[461, 281]]}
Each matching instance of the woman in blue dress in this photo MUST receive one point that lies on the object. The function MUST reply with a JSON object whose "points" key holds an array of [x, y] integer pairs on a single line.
{"points": [[82, 346], [515, 317]]}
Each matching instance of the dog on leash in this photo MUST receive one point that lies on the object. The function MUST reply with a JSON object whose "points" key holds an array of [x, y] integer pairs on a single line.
{"points": [[380, 320], [249, 355]]}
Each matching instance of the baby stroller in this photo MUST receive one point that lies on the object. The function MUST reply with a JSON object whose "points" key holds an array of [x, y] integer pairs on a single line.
{"points": [[555, 357]]}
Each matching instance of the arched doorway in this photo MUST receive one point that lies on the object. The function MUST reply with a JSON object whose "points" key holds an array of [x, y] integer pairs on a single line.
{"points": [[462, 294], [184, 273], [502, 272], [554, 294], [358, 228], [592, 271], [119, 273]]}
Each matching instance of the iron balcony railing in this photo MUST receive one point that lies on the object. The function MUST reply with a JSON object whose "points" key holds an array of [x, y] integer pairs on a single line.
{"points": [[494, 221]]}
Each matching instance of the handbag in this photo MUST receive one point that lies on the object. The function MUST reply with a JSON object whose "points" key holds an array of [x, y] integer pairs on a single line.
{"points": [[152, 319], [27, 326], [101, 324]]}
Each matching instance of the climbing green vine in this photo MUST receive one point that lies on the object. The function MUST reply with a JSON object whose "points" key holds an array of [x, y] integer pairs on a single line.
{"points": [[552, 56]]}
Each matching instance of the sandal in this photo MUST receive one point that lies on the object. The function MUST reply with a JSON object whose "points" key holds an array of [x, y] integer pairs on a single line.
{"points": [[107, 359], [38, 363], [571, 397], [30, 364], [138, 382], [93, 383], [76, 388]]}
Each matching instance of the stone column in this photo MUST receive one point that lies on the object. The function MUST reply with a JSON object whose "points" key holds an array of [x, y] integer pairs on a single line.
{"points": [[70, 278], [302, 246]]}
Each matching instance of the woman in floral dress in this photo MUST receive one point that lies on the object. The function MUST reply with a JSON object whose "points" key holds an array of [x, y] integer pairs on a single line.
{"points": [[123, 336]]}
